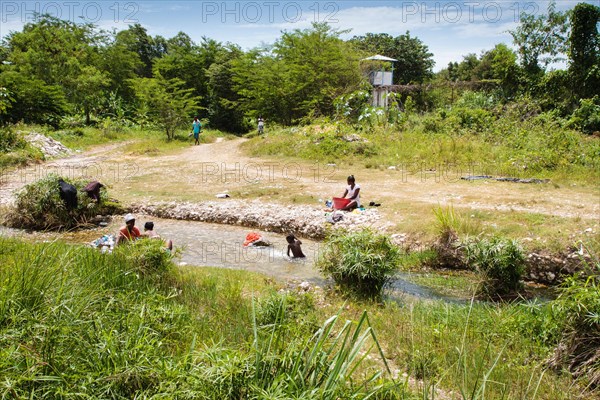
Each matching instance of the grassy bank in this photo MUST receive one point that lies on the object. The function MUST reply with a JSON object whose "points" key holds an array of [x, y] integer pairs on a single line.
{"points": [[75, 323], [503, 141]]}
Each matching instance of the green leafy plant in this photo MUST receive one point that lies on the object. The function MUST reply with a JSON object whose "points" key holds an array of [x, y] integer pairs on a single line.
{"points": [[577, 310], [361, 262], [39, 206], [501, 262]]}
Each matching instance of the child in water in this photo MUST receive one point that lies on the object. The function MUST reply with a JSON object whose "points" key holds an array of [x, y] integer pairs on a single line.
{"points": [[294, 246]]}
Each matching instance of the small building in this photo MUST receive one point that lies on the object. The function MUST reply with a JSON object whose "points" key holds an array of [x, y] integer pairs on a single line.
{"points": [[381, 81]]}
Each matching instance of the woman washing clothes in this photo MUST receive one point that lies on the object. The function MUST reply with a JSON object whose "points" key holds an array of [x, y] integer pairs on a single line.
{"points": [[352, 193]]}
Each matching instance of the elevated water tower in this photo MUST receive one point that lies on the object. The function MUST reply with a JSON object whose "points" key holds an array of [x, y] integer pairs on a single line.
{"points": [[381, 80]]}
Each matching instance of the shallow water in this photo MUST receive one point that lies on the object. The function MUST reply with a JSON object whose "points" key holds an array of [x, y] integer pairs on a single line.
{"points": [[215, 245]]}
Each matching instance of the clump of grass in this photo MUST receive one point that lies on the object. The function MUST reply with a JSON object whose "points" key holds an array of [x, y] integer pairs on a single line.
{"points": [[500, 261], [447, 247], [578, 310], [39, 206], [361, 262]]}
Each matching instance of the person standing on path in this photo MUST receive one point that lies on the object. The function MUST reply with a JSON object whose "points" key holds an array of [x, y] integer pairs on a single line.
{"points": [[196, 128], [261, 125]]}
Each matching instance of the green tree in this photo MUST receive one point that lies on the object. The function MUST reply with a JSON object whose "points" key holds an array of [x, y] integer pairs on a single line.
{"points": [[167, 102], [190, 62], [89, 89], [120, 64], [584, 50], [61, 54], [540, 40], [137, 40], [223, 101], [32, 100], [500, 64], [299, 77], [415, 62]]}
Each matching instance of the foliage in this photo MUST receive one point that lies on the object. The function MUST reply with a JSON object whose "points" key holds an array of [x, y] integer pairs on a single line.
{"points": [[361, 262], [222, 102], [170, 105], [149, 256], [577, 309], [587, 116], [415, 62], [10, 140], [299, 77], [32, 100], [540, 39], [584, 49], [500, 261], [39, 206]]}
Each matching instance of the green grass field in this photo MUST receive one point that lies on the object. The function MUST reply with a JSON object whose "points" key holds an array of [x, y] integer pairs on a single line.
{"points": [[75, 323]]}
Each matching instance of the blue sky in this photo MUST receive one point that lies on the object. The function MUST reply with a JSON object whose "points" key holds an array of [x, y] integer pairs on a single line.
{"points": [[450, 29]]}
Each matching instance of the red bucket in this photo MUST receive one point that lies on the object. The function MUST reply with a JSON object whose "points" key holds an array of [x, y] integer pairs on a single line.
{"points": [[339, 203]]}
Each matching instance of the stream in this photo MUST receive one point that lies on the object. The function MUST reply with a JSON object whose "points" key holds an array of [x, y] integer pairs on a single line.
{"points": [[216, 245]]}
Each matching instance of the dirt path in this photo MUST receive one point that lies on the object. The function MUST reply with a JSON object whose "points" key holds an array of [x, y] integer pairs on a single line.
{"points": [[209, 169], [197, 173]]}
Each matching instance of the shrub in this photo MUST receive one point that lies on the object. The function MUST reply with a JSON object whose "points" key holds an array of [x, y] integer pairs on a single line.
{"points": [[40, 207], [587, 116], [501, 262], [361, 262], [10, 141], [577, 309]]}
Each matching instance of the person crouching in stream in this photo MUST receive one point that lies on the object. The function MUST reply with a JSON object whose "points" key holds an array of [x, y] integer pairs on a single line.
{"points": [[129, 232], [149, 233]]}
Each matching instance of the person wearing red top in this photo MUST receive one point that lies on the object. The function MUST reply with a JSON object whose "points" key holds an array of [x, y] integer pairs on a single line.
{"points": [[129, 232]]}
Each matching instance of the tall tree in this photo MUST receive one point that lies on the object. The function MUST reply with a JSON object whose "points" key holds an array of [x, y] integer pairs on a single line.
{"points": [[584, 49], [540, 40], [137, 40], [415, 62], [223, 101], [500, 64], [299, 76], [169, 103]]}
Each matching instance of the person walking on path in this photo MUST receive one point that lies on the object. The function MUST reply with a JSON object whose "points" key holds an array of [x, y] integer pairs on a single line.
{"points": [[196, 128]]}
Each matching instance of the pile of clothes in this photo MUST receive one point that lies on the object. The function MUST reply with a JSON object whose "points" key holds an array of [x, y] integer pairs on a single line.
{"points": [[106, 243]]}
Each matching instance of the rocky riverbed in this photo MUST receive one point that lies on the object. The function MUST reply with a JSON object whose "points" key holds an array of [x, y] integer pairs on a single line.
{"points": [[305, 221]]}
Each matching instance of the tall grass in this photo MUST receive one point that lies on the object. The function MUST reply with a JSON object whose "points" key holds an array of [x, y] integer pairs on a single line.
{"points": [[76, 323]]}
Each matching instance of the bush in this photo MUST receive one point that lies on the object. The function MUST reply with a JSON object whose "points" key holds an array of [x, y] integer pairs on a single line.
{"points": [[501, 262], [361, 262], [577, 309], [587, 116], [40, 207], [10, 141]]}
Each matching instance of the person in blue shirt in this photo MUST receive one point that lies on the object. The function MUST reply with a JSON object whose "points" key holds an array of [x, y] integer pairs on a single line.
{"points": [[197, 127]]}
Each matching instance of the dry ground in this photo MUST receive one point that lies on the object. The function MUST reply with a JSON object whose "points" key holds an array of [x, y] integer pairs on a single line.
{"points": [[545, 213]]}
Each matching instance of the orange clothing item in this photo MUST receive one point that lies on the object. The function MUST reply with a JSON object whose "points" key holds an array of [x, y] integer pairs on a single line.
{"points": [[251, 237], [134, 234]]}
